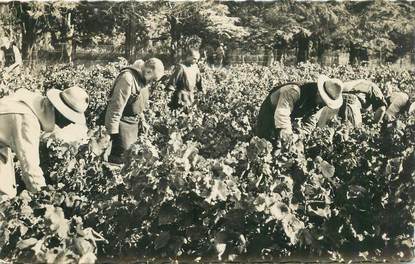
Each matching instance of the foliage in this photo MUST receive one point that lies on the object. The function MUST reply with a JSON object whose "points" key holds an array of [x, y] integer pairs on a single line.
{"points": [[200, 186]]}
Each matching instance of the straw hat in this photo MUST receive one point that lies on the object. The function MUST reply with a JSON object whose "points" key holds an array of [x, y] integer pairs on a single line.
{"points": [[330, 91], [71, 103]]}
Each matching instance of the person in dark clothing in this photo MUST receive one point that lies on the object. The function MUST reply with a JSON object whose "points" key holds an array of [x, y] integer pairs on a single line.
{"points": [[184, 81], [10, 57]]}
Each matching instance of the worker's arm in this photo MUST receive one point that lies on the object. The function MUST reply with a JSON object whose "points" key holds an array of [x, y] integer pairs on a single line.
{"points": [[289, 95], [377, 98], [310, 121], [26, 146]]}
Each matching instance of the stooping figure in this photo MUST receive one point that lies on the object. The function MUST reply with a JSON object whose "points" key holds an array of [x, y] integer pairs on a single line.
{"points": [[23, 116], [362, 96], [294, 100], [129, 99], [185, 80]]}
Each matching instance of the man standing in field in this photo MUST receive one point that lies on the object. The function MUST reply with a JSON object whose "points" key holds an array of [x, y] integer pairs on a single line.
{"points": [[185, 80], [128, 101], [293, 100], [23, 116], [220, 54], [10, 57]]}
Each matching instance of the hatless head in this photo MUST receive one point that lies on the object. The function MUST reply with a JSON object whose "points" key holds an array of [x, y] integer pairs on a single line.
{"points": [[153, 70], [192, 56]]}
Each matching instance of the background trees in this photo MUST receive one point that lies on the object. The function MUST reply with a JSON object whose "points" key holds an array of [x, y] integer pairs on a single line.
{"points": [[369, 29]]}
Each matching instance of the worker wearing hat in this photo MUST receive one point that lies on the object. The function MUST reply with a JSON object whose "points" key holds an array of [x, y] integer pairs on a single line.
{"points": [[128, 101], [360, 95], [23, 116], [364, 95], [294, 100]]}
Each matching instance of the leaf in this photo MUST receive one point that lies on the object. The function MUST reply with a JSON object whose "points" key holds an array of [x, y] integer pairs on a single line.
{"points": [[87, 258], [56, 218], [83, 246], [162, 240], [327, 169], [323, 212], [219, 191], [37, 248], [167, 215], [276, 212], [26, 243], [292, 226], [220, 249]]}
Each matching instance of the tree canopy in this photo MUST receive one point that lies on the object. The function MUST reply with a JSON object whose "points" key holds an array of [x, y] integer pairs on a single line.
{"points": [[309, 27]]}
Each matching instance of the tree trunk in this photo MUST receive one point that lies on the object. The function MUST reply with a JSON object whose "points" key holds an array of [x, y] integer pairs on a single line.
{"points": [[175, 36], [353, 54], [28, 46], [28, 32], [303, 49], [320, 53], [130, 40]]}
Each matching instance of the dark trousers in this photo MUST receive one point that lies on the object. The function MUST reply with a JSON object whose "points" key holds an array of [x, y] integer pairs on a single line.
{"points": [[127, 136]]}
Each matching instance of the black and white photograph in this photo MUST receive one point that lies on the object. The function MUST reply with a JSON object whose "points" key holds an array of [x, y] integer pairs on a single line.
{"points": [[207, 132]]}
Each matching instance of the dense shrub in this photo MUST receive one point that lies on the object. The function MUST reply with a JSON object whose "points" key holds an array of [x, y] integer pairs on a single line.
{"points": [[200, 186]]}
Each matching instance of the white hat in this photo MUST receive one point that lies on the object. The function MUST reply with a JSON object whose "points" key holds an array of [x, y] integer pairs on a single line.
{"points": [[71, 103], [330, 91]]}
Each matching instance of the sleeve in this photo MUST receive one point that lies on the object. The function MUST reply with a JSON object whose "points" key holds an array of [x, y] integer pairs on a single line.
{"points": [[285, 105], [175, 77], [121, 93], [26, 147]]}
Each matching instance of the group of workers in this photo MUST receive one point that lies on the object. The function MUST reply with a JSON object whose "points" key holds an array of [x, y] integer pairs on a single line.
{"points": [[25, 114], [316, 103]]}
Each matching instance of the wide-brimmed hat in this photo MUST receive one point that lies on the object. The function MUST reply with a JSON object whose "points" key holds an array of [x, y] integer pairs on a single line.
{"points": [[71, 103], [330, 91]]}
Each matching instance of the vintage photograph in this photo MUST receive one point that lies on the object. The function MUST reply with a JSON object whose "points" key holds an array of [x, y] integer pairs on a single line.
{"points": [[207, 132]]}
